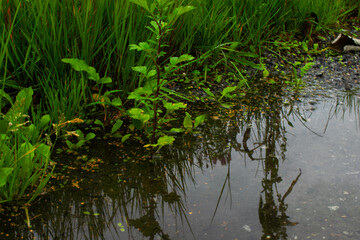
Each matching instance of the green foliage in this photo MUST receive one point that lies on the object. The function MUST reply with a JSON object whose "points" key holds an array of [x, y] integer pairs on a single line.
{"points": [[82, 139], [24, 157], [151, 97]]}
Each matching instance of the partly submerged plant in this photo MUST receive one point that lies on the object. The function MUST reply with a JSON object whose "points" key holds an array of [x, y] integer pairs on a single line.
{"points": [[24, 155], [149, 99]]}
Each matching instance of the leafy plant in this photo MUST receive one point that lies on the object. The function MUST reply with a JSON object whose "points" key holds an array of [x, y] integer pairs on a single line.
{"points": [[150, 98], [24, 155], [82, 139]]}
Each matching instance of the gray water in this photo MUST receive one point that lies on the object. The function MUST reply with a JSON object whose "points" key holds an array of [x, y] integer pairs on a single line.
{"points": [[289, 171]]}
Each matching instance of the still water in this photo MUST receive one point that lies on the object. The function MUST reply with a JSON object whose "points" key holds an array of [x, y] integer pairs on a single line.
{"points": [[288, 169]]}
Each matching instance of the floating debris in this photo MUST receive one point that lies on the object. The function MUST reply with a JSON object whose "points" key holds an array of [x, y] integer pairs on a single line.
{"points": [[344, 43], [333, 208], [247, 228]]}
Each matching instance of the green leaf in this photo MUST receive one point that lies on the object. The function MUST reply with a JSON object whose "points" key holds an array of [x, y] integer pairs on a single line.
{"points": [[174, 106], [173, 60], [177, 130], [140, 93], [100, 123], [126, 137], [21, 105], [116, 126], [137, 113], [79, 144], [142, 3], [4, 173], [122, 228], [145, 46], [80, 65], [90, 136], [116, 102], [165, 140], [188, 122], [151, 73], [228, 90], [105, 80], [226, 105], [6, 96], [179, 11], [140, 69], [208, 92], [44, 121], [199, 120], [135, 47], [265, 73], [183, 58], [69, 144]]}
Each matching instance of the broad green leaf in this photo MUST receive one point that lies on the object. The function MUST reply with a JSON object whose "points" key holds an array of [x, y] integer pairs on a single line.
{"points": [[79, 144], [116, 102], [140, 93], [100, 123], [43, 150], [80, 65], [142, 3], [199, 120], [165, 140], [22, 102], [116, 126], [26, 153], [228, 90], [144, 46], [140, 69], [177, 130], [173, 60], [137, 113], [173, 106], [126, 137], [187, 121], [44, 121], [179, 11], [4, 173], [69, 144], [90, 136], [105, 80], [185, 58], [151, 73]]}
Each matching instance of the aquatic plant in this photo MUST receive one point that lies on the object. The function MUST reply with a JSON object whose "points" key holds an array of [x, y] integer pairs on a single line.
{"points": [[154, 94], [24, 153]]}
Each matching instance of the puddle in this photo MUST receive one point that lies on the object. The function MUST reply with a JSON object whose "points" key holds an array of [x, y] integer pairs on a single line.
{"points": [[283, 172]]}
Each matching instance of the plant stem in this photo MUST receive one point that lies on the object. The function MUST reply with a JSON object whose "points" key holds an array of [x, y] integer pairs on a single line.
{"points": [[158, 72]]}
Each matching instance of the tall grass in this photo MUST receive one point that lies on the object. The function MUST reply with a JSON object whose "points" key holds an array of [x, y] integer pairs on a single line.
{"points": [[99, 32]]}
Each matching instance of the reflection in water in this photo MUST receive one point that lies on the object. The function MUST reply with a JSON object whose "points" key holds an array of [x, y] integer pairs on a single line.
{"points": [[130, 197]]}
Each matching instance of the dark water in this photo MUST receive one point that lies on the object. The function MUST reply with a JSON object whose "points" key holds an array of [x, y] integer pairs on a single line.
{"points": [[284, 168]]}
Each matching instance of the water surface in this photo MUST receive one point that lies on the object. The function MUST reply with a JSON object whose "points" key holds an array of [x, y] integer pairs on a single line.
{"points": [[286, 168]]}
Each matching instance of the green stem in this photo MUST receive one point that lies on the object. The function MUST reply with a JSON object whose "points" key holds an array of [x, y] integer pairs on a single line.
{"points": [[158, 71]]}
